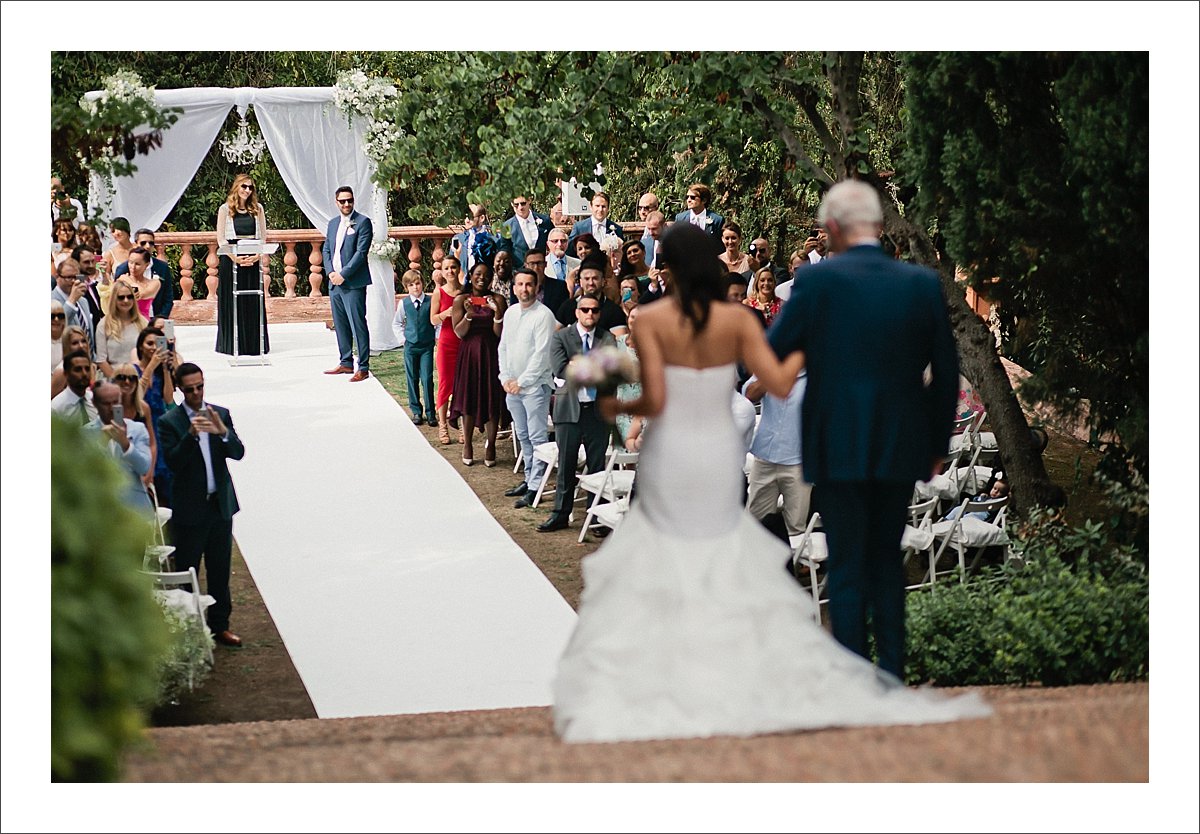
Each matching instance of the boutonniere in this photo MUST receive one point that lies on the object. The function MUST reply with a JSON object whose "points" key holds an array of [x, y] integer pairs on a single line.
{"points": [[708, 221], [350, 228]]}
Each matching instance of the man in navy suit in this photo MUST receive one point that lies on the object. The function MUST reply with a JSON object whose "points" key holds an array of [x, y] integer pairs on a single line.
{"points": [[598, 225], [158, 268], [526, 230], [549, 291], [344, 254], [869, 326], [699, 196]]}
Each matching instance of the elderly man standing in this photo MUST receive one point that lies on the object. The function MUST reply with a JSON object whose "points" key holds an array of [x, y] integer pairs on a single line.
{"points": [[869, 325], [525, 375], [128, 442], [558, 263]]}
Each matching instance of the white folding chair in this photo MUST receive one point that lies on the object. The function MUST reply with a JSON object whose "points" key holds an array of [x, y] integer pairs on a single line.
{"points": [[811, 550], [966, 533], [607, 485], [166, 582], [548, 453], [918, 536], [158, 553]]}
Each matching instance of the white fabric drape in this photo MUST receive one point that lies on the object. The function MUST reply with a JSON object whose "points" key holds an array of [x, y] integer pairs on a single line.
{"points": [[313, 147]]}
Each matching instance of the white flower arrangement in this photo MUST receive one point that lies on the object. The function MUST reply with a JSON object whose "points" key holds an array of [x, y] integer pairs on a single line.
{"points": [[122, 87], [610, 243], [389, 249], [605, 369], [358, 95]]}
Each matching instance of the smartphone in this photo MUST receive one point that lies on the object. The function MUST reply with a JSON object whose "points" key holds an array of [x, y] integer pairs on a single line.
{"points": [[169, 330], [119, 415]]}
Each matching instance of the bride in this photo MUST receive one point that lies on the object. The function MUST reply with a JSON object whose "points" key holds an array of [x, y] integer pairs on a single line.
{"points": [[689, 625]]}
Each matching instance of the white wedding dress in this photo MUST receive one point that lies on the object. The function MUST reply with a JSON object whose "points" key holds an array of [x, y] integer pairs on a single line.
{"points": [[689, 624]]}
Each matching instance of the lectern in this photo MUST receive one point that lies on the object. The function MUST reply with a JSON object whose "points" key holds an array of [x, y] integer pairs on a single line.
{"points": [[235, 249]]}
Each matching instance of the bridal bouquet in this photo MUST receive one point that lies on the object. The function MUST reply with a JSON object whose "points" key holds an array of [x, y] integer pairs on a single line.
{"points": [[605, 369], [611, 242]]}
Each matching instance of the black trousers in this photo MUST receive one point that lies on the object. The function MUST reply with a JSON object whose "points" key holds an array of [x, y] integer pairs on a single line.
{"points": [[212, 541], [593, 433]]}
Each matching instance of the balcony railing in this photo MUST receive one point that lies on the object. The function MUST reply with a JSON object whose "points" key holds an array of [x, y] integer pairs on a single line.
{"points": [[434, 239]]}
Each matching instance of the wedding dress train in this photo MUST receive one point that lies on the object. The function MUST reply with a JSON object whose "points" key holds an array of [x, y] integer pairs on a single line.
{"points": [[689, 625]]}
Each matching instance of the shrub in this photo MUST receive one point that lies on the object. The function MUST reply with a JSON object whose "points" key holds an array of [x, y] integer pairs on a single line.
{"points": [[1071, 609], [185, 663], [106, 632]]}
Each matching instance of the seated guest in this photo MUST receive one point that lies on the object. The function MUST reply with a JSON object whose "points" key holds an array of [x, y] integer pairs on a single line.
{"points": [[997, 487], [125, 377], [127, 441], [118, 332], [74, 338], [58, 323], [633, 262], [75, 401], [591, 277], [628, 390]]}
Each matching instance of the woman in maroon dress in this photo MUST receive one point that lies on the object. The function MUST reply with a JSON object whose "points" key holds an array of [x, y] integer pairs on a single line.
{"points": [[478, 314]]}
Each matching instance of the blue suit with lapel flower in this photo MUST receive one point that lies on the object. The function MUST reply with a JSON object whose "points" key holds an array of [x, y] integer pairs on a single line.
{"points": [[348, 301], [516, 245]]}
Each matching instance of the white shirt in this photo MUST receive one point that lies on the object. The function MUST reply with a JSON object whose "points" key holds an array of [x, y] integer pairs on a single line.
{"points": [[205, 440], [814, 257], [66, 403], [784, 291], [525, 345], [585, 336], [529, 228], [337, 247], [698, 219]]}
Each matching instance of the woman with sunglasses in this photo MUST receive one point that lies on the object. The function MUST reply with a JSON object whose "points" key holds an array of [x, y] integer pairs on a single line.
{"points": [[119, 329], [241, 216], [126, 377], [58, 323], [74, 338], [158, 390]]}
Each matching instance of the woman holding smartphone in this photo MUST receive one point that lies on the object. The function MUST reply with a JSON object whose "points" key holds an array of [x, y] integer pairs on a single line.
{"points": [[134, 407], [479, 398], [241, 216], [158, 391]]}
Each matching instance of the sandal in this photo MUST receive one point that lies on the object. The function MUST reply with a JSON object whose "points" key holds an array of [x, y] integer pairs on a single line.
{"points": [[443, 432]]}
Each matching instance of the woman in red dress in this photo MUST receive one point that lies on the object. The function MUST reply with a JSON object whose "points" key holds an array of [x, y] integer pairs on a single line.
{"points": [[440, 309]]}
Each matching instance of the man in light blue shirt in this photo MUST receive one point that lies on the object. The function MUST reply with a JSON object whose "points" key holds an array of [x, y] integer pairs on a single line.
{"points": [[775, 469]]}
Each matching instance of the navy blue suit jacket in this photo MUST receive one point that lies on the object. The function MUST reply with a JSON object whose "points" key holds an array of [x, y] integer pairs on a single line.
{"points": [[182, 454], [869, 325], [355, 247], [515, 242], [714, 228], [584, 227]]}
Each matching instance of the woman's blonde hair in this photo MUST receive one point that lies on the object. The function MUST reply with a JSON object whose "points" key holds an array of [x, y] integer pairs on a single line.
{"points": [[766, 270], [232, 199], [69, 331], [113, 325], [127, 368]]}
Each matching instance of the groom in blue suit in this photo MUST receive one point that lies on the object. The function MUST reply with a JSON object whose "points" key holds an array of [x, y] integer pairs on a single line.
{"points": [[344, 254], [871, 427], [527, 230]]}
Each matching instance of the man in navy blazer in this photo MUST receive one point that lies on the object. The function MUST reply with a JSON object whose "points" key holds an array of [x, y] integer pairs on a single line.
{"points": [[598, 225], [526, 230], [698, 197], [869, 326], [158, 268], [344, 253]]}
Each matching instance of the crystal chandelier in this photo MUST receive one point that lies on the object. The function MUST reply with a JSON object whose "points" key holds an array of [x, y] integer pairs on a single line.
{"points": [[243, 147]]}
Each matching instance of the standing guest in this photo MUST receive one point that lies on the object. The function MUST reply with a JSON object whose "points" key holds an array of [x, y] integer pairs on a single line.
{"points": [[775, 467], [598, 225], [58, 323], [651, 240], [735, 291], [576, 420], [197, 440], [816, 247], [699, 196], [656, 286], [502, 273], [96, 287], [797, 259], [585, 245], [763, 298], [74, 402], [466, 244], [74, 338], [869, 325], [119, 329], [629, 390], [71, 291], [63, 206], [556, 215], [417, 325], [647, 205], [558, 263], [241, 216], [527, 230], [733, 257], [760, 258], [344, 252], [441, 308], [128, 442], [478, 320], [155, 366], [62, 241], [158, 269], [126, 377], [551, 292], [116, 255], [591, 280], [525, 377]]}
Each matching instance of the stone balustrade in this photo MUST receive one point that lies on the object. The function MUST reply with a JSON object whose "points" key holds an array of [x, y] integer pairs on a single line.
{"points": [[187, 244]]}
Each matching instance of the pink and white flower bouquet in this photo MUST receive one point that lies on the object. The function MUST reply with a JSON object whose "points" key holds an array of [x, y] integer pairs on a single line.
{"points": [[605, 369]]}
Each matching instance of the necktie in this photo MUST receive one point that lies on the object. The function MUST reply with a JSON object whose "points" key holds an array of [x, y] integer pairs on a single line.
{"points": [[587, 346], [561, 268], [84, 419]]}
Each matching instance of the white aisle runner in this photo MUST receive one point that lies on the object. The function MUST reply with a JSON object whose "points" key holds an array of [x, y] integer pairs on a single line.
{"points": [[394, 589]]}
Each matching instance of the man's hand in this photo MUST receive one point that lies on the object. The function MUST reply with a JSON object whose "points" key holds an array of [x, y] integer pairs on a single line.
{"points": [[117, 433], [218, 427], [810, 244], [511, 387], [76, 292], [336, 278]]}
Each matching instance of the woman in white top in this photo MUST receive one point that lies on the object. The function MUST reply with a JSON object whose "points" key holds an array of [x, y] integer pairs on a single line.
{"points": [[118, 330]]}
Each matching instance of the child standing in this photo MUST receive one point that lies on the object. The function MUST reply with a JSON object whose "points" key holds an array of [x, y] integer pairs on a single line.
{"points": [[418, 348]]}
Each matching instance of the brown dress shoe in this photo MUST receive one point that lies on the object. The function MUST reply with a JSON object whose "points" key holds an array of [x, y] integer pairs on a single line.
{"points": [[359, 376], [340, 369], [228, 638]]}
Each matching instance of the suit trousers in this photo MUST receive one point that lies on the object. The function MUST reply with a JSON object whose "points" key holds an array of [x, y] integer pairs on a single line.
{"points": [[768, 481], [212, 539], [418, 373], [349, 306], [530, 410], [863, 523], [593, 433]]}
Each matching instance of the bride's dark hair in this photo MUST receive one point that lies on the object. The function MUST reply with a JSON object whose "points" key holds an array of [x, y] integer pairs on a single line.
{"points": [[697, 274]]}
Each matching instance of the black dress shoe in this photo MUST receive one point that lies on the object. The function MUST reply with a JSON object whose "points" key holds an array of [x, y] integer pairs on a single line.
{"points": [[417, 421], [525, 500], [519, 490], [554, 522]]}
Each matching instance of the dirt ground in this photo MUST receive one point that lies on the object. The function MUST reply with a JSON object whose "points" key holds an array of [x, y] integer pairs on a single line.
{"points": [[258, 681]]}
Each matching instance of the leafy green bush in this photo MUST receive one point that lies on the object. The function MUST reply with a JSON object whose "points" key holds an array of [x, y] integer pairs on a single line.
{"points": [[185, 663], [106, 632], [1071, 609]]}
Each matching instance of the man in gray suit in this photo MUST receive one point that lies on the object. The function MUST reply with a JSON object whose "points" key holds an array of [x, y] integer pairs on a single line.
{"points": [[576, 419], [71, 292]]}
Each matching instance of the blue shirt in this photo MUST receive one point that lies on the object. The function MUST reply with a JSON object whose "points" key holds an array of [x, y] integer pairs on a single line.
{"points": [[777, 439]]}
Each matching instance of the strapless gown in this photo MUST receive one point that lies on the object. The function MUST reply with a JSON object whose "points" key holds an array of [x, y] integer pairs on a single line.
{"points": [[689, 625]]}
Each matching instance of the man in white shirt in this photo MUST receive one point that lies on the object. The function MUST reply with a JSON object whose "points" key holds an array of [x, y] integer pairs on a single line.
{"points": [[75, 401], [63, 204], [525, 377], [128, 442]]}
